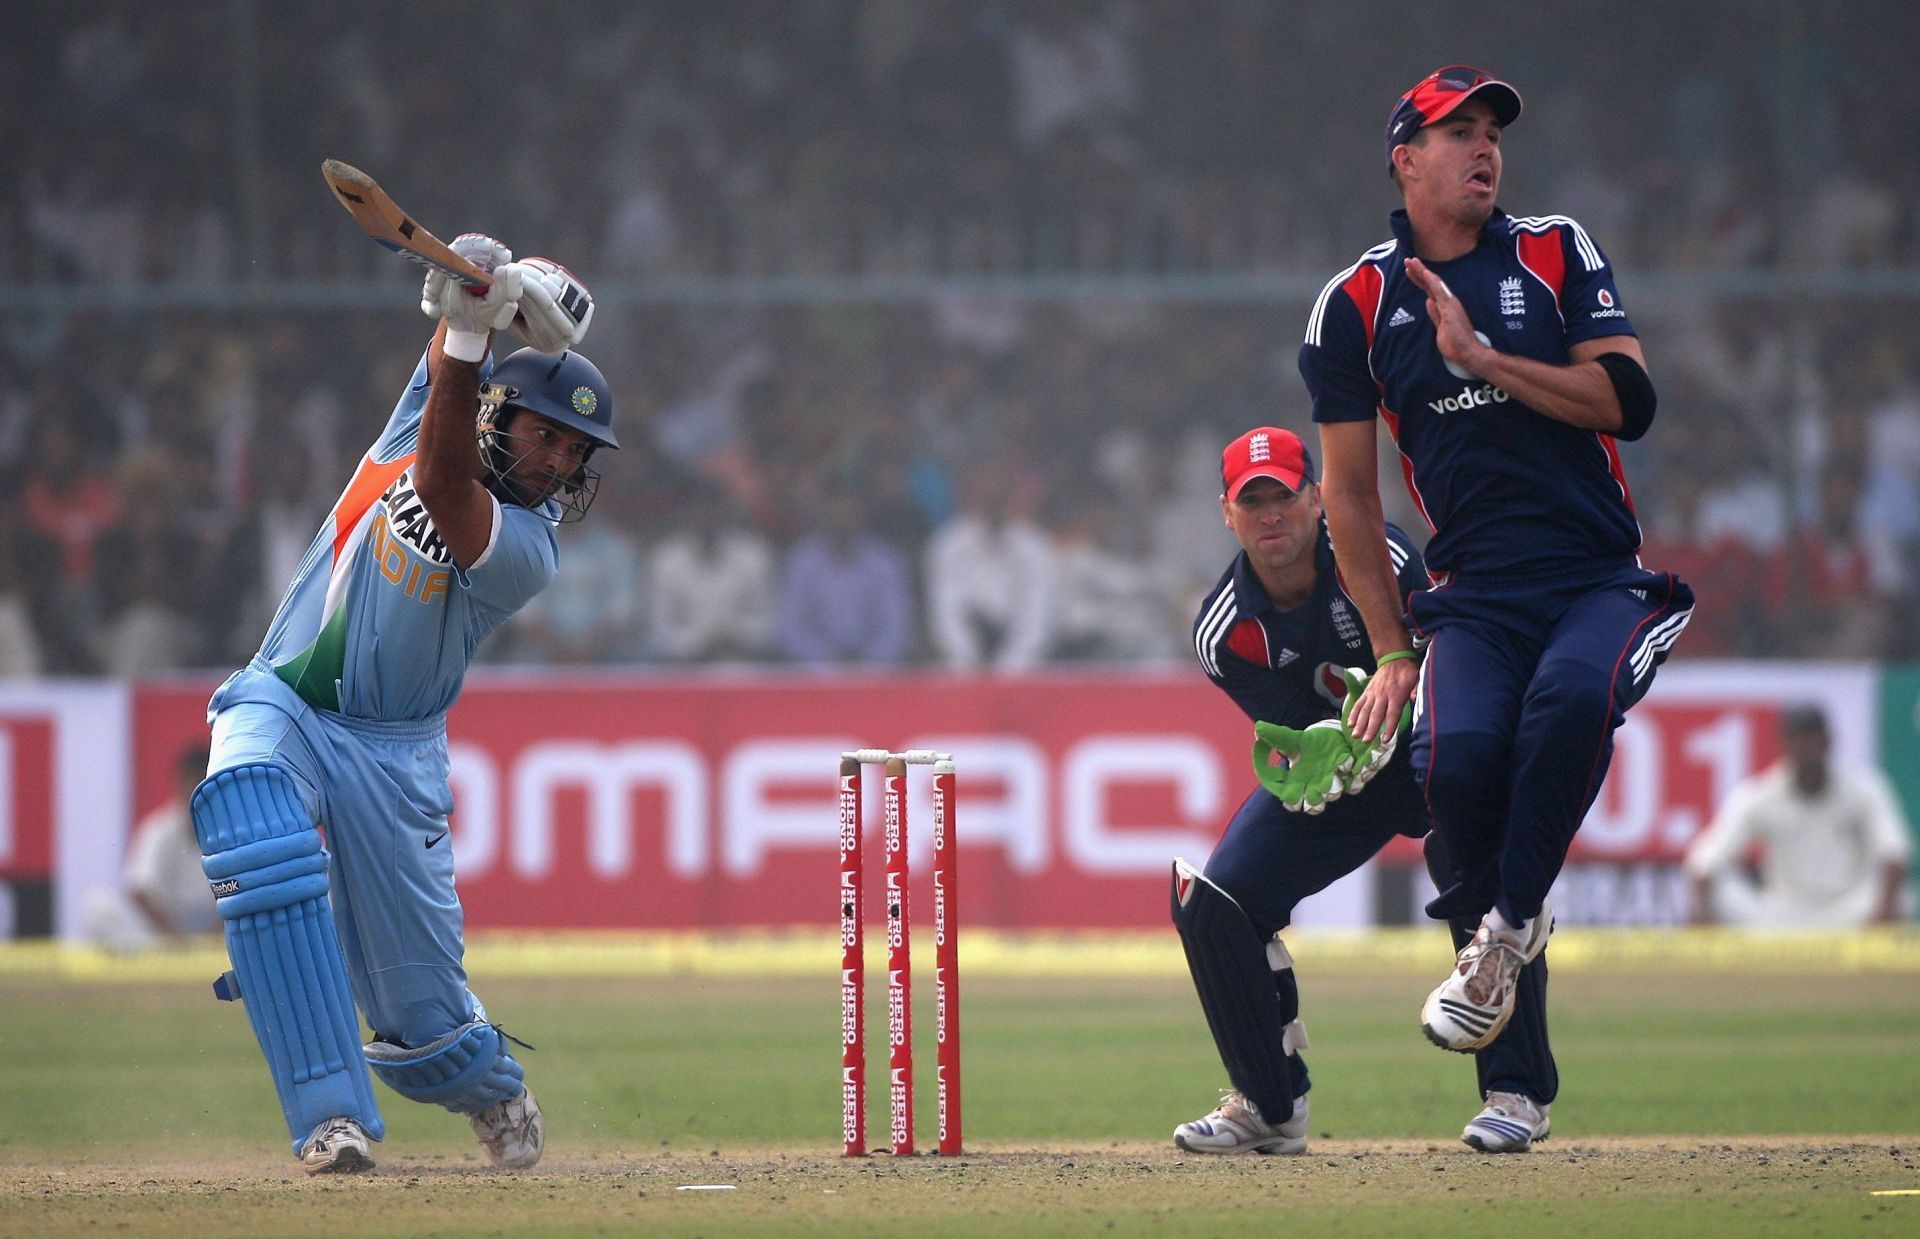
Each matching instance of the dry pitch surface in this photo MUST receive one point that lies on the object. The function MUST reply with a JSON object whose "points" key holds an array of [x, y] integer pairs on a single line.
{"points": [[1770, 1186]]}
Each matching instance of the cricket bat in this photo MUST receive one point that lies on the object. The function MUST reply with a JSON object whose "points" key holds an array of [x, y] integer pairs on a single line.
{"points": [[381, 218]]}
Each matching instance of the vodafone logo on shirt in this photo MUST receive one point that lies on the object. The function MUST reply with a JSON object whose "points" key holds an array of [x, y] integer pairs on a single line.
{"points": [[1470, 397]]}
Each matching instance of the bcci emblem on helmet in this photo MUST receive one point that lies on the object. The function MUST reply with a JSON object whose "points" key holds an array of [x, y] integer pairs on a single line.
{"points": [[567, 389]]}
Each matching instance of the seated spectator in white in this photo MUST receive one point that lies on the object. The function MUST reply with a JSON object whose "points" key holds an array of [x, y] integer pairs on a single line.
{"points": [[1833, 842], [1108, 604], [166, 899], [846, 596], [989, 577], [710, 589]]}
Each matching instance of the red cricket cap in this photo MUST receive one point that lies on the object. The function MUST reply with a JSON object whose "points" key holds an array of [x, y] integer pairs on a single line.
{"points": [[1265, 452], [1439, 94]]}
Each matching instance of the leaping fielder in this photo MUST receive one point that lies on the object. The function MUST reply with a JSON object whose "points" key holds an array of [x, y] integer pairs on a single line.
{"points": [[1496, 350], [1276, 634], [338, 724]]}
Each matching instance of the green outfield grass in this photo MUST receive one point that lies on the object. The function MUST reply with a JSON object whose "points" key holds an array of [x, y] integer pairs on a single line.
{"points": [[713, 1062], [711, 1076]]}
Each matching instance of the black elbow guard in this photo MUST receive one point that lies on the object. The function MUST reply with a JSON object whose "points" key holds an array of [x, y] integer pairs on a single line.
{"points": [[1635, 391]]}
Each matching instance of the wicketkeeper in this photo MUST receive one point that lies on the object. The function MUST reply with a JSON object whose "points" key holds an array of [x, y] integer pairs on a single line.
{"points": [[1281, 637], [338, 724]]}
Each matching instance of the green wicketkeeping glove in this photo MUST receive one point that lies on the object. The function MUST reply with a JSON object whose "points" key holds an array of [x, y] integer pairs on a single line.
{"points": [[1368, 759], [1317, 760]]}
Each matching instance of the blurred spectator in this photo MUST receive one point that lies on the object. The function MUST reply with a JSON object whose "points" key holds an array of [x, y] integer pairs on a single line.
{"points": [[1742, 498], [1833, 587], [710, 588], [846, 596], [20, 652], [591, 612], [951, 99], [70, 501], [1891, 503], [1832, 842], [1724, 572], [1185, 521], [1073, 69], [856, 231], [149, 590], [988, 573], [1108, 606], [292, 509], [166, 897]]}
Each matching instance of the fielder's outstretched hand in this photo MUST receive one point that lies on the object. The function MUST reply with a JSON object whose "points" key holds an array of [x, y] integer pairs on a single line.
{"points": [[1370, 757], [555, 307], [1453, 331], [1317, 761], [475, 310]]}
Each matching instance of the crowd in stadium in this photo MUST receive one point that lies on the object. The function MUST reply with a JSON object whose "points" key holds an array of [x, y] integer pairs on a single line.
{"points": [[939, 478]]}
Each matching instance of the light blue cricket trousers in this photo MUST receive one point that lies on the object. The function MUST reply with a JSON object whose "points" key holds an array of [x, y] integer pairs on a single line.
{"points": [[380, 795]]}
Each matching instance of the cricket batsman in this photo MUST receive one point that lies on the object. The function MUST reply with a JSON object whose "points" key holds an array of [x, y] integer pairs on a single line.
{"points": [[1280, 635], [323, 820]]}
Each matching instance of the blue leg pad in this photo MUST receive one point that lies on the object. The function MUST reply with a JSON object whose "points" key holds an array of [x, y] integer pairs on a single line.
{"points": [[263, 857], [466, 1071]]}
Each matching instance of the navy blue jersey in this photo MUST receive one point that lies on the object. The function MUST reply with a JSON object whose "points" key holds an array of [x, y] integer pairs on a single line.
{"points": [[1282, 666], [1504, 488]]}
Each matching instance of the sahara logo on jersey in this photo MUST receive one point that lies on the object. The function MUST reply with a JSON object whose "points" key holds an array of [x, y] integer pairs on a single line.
{"points": [[407, 518], [405, 521]]}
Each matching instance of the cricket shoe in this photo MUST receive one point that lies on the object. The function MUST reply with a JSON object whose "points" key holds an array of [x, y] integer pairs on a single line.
{"points": [[337, 1146], [513, 1132], [1474, 1003], [1510, 1123], [1236, 1126]]}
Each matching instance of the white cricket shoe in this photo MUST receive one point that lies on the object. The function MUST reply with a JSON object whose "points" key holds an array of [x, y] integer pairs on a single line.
{"points": [[1510, 1123], [1235, 1126], [337, 1146], [513, 1132], [1474, 1003]]}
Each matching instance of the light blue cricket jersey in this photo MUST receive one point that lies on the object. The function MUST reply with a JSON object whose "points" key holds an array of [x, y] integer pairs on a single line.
{"points": [[379, 622]]}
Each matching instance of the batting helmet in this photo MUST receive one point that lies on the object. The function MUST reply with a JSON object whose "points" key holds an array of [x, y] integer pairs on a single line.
{"points": [[567, 389]]}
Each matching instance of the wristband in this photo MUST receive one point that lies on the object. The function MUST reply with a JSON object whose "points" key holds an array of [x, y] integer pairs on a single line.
{"points": [[1394, 656], [464, 345]]}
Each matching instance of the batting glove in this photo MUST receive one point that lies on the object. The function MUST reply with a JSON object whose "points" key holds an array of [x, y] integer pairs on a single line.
{"points": [[475, 311], [1317, 761], [1371, 758], [555, 307]]}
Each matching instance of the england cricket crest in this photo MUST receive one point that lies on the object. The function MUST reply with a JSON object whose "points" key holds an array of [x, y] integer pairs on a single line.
{"points": [[1513, 299]]}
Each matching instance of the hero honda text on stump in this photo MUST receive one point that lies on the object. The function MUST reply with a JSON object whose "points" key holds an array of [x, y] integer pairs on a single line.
{"points": [[946, 936]]}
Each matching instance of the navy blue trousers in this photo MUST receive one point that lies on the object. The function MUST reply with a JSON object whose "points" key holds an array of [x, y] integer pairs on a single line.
{"points": [[1271, 858], [1521, 689]]}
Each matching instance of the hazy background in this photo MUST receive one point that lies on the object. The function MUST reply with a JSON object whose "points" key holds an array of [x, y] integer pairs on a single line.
{"points": [[874, 262]]}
